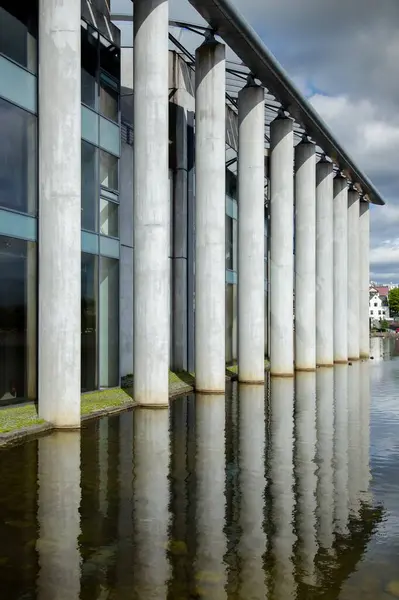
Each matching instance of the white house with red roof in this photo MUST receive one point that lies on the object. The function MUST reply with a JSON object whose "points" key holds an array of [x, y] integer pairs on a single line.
{"points": [[378, 303]]}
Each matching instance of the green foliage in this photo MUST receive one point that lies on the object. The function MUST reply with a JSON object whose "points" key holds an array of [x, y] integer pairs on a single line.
{"points": [[384, 325], [393, 300]]}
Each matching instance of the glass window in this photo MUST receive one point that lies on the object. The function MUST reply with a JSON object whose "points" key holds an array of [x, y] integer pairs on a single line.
{"points": [[89, 186], [109, 218], [89, 308], [18, 320], [18, 163], [108, 98], [18, 32], [89, 72], [109, 322], [229, 243], [110, 59], [108, 170]]}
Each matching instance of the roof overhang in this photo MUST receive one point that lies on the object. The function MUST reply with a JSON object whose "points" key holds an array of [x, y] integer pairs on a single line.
{"points": [[229, 24]]}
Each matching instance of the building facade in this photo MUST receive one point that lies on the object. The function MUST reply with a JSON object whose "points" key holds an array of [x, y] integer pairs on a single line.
{"points": [[124, 224]]}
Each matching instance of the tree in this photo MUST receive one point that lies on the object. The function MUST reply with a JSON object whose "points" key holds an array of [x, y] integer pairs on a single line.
{"points": [[393, 300]]}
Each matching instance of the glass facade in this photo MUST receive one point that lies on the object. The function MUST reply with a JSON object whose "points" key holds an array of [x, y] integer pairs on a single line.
{"points": [[18, 32], [89, 318], [18, 158], [18, 320]]}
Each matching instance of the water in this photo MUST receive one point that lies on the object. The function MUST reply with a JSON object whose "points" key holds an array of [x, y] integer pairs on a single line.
{"points": [[242, 498]]}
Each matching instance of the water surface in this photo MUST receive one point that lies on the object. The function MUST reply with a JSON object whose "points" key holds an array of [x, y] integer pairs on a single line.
{"points": [[287, 491]]}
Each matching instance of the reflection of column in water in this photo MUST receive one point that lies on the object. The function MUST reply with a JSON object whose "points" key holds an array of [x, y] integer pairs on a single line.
{"points": [[354, 438], [376, 348], [325, 455], [252, 545], [282, 485], [125, 480], [364, 407], [210, 513], [341, 448], [58, 515], [150, 502], [305, 466], [103, 466]]}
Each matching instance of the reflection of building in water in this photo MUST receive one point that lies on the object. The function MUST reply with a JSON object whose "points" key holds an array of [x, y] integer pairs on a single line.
{"points": [[281, 472], [151, 503], [325, 451], [252, 542], [59, 516], [210, 507], [354, 454], [305, 473], [377, 348], [341, 448]]}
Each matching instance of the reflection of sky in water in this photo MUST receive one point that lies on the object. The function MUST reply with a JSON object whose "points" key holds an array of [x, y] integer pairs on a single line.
{"points": [[380, 561]]}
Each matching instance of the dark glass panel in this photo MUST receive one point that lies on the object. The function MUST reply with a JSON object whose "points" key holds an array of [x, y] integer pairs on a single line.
{"points": [[89, 187], [109, 322], [108, 170], [89, 379], [18, 32], [89, 72]]}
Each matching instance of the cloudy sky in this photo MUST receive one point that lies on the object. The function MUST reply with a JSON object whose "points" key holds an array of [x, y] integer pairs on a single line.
{"points": [[344, 56]]}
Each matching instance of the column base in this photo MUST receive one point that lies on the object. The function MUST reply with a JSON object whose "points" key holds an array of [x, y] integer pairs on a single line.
{"points": [[65, 427], [353, 359], [283, 375], [340, 362], [305, 369], [152, 406], [210, 392], [325, 366], [364, 356], [248, 382]]}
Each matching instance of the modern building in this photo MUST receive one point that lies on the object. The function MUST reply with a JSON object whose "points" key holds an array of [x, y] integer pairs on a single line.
{"points": [[128, 241]]}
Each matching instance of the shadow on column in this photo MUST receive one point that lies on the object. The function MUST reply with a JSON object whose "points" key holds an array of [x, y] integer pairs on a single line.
{"points": [[252, 541], [59, 499]]}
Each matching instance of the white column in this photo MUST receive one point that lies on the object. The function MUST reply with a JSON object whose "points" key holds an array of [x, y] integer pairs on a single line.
{"points": [[341, 508], [59, 212], [210, 269], [353, 275], [282, 247], [151, 503], [211, 546], [151, 203], [305, 467], [282, 486], [305, 256], [59, 496], [252, 542], [324, 264], [364, 275], [340, 252], [251, 234], [325, 456]]}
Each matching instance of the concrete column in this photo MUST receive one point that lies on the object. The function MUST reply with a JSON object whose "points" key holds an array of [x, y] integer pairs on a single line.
{"points": [[151, 503], [210, 506], [305, 468], [252, 542], [305, 256], [340, 252], [59, 499], [325, 456], [364, 275], [151, 203], [341, 501], [59, 212], [251, 234], [324, 265], [282, 486], [282, 247], [210, 270], [353, 275]]}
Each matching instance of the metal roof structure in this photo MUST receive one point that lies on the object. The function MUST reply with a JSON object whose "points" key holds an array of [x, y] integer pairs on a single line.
{"points": [[246, 54]]}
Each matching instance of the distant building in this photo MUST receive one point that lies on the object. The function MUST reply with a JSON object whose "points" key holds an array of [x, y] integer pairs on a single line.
{"points": [[378, 303]]}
